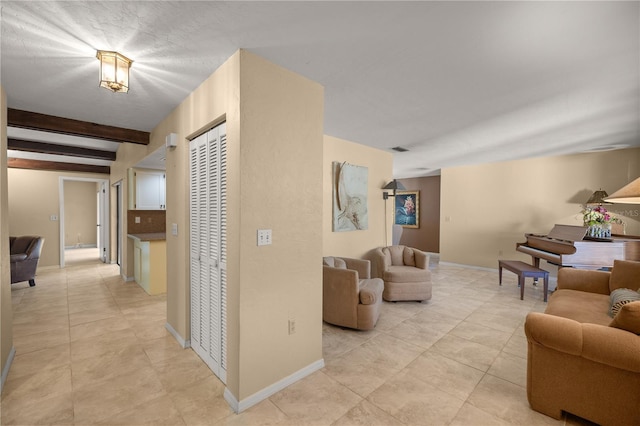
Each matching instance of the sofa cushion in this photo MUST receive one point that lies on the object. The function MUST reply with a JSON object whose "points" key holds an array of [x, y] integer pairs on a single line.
{"points": [[620, 297], [580, 306], [406, 274], [628, 318], [409, 257], [625, 274]]}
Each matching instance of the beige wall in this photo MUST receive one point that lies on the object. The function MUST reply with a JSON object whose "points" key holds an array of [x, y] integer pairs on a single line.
{"points": [[80, 213], [380, 167], [33, 198], [486, 209], [6, 326], [274, 122]]}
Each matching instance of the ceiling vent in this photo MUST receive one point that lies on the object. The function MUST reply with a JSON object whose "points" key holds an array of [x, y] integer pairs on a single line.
{"points": [[399, 149]]}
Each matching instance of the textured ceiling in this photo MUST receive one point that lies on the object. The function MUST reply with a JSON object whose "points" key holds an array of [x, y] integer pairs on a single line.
{"points": [[454, 82]]}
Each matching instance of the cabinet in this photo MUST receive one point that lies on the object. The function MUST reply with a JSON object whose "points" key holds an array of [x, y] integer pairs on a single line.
{"points": [[150, 264], [147, 190]]}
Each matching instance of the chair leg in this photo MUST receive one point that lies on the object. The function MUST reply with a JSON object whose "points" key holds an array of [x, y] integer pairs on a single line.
{"points": [[32, 282]]}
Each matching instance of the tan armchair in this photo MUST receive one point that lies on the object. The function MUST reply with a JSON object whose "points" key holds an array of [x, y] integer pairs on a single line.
{"points": [[25, 253], [350, 297], [405, 272]]}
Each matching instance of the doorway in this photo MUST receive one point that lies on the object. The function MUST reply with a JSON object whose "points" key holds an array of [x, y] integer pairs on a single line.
{"points": [[86, 238]]}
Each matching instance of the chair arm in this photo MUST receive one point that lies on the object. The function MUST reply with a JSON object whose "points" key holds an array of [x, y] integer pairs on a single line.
{"points": [[363, 266], [18, 257], [584, 280], [561, 334], [599, 343], [342, 284], [422, 259]]}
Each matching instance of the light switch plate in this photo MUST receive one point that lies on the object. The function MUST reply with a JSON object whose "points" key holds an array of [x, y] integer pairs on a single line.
{"points": [[174, 229], [264, 237]]}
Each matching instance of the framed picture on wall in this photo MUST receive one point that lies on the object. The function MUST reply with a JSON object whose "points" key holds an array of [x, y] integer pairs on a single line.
{"points": [[407, 209]]}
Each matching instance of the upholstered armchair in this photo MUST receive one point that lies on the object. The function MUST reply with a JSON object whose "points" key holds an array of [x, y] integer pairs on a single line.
{"points": [[405, 272], [25, 253], [350, 297]]}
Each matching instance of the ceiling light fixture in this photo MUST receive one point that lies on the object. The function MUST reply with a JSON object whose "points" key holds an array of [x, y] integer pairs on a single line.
{"points": [[114, 71]]}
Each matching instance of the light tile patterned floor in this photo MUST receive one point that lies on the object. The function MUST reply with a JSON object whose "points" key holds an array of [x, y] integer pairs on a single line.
{"points": [[92, 349]]}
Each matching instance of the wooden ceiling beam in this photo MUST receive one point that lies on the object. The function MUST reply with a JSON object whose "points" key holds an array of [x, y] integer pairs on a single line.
{"points": [[68, 126], [21, 163], [71, 151]]}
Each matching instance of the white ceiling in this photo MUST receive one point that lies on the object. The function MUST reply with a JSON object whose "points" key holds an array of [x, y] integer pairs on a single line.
{"points": [[454, 82]]}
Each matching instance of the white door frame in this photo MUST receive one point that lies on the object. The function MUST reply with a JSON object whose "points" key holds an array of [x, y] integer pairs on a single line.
{"points": [[105, 214]]}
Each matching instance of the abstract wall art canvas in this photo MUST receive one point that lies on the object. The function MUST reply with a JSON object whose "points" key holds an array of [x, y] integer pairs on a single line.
{"points": [[350, 188]]}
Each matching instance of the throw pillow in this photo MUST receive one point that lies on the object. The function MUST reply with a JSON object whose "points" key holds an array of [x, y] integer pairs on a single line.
{"points": [[624, 274], [620, 297], [628, 318]]}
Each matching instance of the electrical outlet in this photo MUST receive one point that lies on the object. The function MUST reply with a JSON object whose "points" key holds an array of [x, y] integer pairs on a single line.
{"points": [[53, 217], [137, 219], [292, 326]]}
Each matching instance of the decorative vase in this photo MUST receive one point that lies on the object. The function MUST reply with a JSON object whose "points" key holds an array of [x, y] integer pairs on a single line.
{"points": [[601, 230]]}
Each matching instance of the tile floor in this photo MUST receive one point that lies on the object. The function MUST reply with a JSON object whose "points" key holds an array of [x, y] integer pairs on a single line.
{"points": [[92, 349]]}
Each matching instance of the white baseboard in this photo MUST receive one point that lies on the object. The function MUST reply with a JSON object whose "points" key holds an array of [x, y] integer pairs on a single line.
{"points": [[184, 343], [240, 406], [126, 278], [5, 370], [77, 246]]}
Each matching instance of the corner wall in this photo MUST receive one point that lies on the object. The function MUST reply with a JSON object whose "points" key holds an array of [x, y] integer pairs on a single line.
{"points": [[6, 316], [486, 209], [357, 244], [274, 122]]}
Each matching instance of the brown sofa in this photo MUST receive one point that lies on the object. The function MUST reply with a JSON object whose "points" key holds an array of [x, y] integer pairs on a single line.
{"points": [[25, 253], [350, 297], [580, 359], [405, 272]]}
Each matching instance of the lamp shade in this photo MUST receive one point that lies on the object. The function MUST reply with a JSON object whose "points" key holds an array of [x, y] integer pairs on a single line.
{"points": [[394, 185], [628, 194], [114, 71], [598, 197]]}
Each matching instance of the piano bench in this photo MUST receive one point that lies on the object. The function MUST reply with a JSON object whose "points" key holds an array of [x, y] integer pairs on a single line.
{"points": [[524, 270]]}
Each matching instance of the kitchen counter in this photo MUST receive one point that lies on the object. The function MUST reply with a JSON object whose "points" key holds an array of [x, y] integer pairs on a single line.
{"points": [[150, 236]]}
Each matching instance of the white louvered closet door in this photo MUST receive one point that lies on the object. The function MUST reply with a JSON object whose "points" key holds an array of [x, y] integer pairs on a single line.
{"points": [[208, 188]]}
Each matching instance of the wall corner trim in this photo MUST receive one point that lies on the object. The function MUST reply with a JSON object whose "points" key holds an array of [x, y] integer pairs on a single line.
{"points": [[240, 406], [7, 366], [183, 343]]}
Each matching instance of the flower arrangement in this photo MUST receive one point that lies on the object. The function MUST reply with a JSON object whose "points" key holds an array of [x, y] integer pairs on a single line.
{"points": [[595, 216], [599, 221]]}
